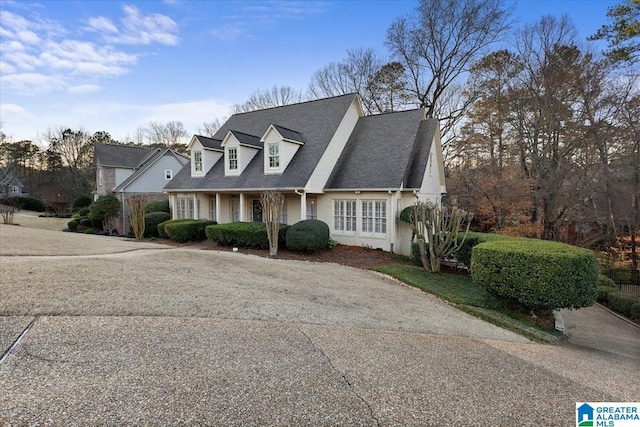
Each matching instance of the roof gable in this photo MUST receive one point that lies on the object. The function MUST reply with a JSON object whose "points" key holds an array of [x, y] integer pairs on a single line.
{"points": [[288, 135], [379, 152], [206, 142], [149, 161]]}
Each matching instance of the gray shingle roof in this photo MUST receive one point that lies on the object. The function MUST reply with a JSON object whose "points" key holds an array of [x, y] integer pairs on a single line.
{"points": [[120, 156], [315, 121], [385, 151], [289, 134], [211, 143], [246, 139], [146, 163]]}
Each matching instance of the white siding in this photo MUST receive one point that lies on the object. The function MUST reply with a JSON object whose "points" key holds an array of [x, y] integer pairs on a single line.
{"points": [[196, 146], [245, 155], [433, 182], [320, 175], [210, 158], [287, 151]]}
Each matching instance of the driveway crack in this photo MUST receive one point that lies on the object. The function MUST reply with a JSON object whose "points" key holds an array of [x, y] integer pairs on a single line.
{"points": [[17, 341], [344, 377]]}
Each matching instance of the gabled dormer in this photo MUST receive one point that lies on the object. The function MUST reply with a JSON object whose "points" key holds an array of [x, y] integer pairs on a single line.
{"points": [[239, 149], [280, 145], [205, 152]]}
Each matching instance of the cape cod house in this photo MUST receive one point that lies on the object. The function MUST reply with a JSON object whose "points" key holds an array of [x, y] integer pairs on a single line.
{"points": [[332, 163], [124, 170]]}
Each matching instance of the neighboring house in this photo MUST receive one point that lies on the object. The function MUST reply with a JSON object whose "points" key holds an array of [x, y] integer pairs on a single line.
{"points": [[125, 170], [332, 163], [10, 185]]}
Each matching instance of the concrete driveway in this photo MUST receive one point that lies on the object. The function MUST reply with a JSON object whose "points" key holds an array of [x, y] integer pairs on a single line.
{"points": [[313, 345]]}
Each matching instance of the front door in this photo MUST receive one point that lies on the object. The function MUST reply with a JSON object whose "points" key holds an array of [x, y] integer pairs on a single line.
{"points": [[257, 210]]}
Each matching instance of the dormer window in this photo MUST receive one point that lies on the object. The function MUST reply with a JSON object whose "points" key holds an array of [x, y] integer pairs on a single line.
{"points": [[274, 156], [197, 161], [233, 159]]}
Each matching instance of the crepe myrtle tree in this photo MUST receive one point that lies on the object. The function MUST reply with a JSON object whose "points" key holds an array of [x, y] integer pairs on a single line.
{"points": [[440, 231], [136, 204], [272, 203]]}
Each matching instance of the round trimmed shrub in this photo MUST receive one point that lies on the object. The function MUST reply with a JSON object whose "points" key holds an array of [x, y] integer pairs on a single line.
{"points": [[308, 235], [89, 231], [157, 206], [83, 212], [151, 221], [251, 235], [86, 222], [73, 225], [162, 233], [25, 202], [190, 230], [537, 273]]}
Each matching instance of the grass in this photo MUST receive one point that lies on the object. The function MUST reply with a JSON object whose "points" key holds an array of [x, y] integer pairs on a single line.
{"points": [[471, 298]]}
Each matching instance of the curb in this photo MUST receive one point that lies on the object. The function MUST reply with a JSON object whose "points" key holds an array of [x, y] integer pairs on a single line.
{"points": [[631, 322]]}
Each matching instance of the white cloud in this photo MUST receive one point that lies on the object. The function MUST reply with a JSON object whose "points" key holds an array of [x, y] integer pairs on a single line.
{"points": [[31, 83], [101, 25], [84, 89], [12, 112], [6, 68], [137, 29]]}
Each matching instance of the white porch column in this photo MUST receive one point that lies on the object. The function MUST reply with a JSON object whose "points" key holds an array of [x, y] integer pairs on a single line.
{"points": [[243, 212], [196, 214], [172, 204], [218, 203], [303, 206]]}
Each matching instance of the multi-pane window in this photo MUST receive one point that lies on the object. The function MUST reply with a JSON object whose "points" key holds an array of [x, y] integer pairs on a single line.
{"points": [[100, 175], [374, 216], [197, 161], [274, 156], [283, 214], [233, 159], [344, 215], [185, 207], [168, 174]]}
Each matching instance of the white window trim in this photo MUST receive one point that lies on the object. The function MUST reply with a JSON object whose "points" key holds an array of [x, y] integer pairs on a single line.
{"points": [[275, 157], [168, 174], [377, 221], [198, 166], [237, 160], [100, 176], [346, 220]]}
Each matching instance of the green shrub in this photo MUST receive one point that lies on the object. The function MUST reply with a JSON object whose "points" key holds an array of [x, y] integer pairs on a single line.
{"points": [[192, 230], [537, 273], [610, 296], [82, 201], [151, 221], [405, 214], [73, 225], [107, 206], [473, 239], [162, 233], [25, 203], [308, 235], [606, 282], [415, 253], [86, 222], [245, 234], [157, 206], [83, 212], [89, 231]]}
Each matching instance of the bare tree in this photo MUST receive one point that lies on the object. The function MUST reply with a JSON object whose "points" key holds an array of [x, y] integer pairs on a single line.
{"points": [[440, 228], [275, 97], [439, 43], [136, 205], [168, 134], [272, 203], [210, 128], [75, 149]]}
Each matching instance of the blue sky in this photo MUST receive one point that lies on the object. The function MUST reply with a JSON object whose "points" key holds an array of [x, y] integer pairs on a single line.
{"points": [[116, 65]]}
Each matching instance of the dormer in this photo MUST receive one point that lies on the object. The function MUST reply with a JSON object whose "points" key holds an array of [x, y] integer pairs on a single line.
{"points": [[205, 152], [280, 145], [239, 149]]}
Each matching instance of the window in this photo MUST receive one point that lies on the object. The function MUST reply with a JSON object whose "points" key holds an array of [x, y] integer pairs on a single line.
{"points": [[312, 208], [283, 214], [274, 156], [344, 215], [233, 159], [14, 189], [374, 216], [185, 207], [168, 174], [235, 209], [197, 161], [100, 182]]}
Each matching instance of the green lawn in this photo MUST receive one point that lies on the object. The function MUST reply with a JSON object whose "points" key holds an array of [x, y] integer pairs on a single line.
{"points": [[469, 297]]}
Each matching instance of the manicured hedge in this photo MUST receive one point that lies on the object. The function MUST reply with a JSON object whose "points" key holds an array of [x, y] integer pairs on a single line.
{"points": [[162, 233], [627, 305], [537, 273], [473, 239], [191, 230], [308, 235], [251, 235], [73, 225], [151, 221]]}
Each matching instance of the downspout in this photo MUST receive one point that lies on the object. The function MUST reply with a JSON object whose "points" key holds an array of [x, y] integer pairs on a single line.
{"points": [[123, 213]]}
